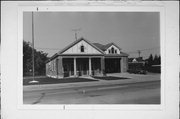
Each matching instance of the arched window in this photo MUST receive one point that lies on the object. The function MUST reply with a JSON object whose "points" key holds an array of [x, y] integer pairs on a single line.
{"points": [[82, 48], [109, 51], [112, 50]]}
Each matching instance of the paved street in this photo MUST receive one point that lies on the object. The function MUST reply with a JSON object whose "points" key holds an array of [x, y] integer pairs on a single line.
{"points": [[133, 93]]}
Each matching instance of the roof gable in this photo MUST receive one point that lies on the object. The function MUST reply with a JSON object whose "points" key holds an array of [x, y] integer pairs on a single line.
{"points": [[72, 49], [111, 44]]}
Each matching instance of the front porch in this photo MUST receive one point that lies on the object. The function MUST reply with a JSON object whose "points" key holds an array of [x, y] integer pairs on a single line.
{"points": [[85, 65], [80, 66]]}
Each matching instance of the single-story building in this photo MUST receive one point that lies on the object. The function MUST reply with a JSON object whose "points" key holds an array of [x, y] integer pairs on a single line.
{"points": [[85, 58]]}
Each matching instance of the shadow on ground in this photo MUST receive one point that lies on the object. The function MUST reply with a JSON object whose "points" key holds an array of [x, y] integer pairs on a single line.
{"points": [[110, 78]]}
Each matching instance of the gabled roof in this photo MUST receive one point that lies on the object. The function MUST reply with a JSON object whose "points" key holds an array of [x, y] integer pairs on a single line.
{"points": [[77, 41], [110, 44], [101, 48], [138, 59], [105, 47]]}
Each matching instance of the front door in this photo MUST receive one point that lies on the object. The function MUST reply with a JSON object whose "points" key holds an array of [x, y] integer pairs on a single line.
{"points": [[68, 67], [112, 65], [82, 66]]}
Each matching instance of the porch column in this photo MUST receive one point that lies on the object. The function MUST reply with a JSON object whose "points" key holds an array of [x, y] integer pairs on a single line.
{"points": [[75, 72], [60, 67], [102, 66], [90, 69]]}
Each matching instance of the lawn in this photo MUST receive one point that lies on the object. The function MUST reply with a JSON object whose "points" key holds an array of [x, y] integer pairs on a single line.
{"points": [[109, 78], [48, 80]]}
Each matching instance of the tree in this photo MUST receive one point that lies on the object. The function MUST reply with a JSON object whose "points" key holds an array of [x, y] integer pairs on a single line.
{"points": [[150, 60], [159, 60], [153, 61], [39, 60], [27, 58], [156, 60]]}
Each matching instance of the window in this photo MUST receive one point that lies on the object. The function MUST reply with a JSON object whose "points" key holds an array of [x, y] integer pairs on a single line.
{"points": [[112, 50], [115, 51], [54, 65], [82, 48], [51, 66], [109, 51]]}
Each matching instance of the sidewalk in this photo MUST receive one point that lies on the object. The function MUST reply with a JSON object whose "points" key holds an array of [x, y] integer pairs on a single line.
{"points": [[134, 78], [31, 77]]}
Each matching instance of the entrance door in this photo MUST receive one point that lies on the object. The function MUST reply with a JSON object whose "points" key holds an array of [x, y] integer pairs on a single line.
{"points": [[96, 66], [68, 67], [112, 65], [82, 66]]}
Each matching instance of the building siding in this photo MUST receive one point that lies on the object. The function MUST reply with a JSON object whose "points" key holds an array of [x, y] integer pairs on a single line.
{"points": [[60, 67], [124, 64], [76, 49]]}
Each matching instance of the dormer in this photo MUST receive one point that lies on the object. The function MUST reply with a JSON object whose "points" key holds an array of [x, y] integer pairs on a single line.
{"points": [[112, 49]]}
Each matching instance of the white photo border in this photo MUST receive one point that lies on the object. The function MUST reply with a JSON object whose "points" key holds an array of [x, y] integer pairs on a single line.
{"points": [[89, 8], [11, 55]]}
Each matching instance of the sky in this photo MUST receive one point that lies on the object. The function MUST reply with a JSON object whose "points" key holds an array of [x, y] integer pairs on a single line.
{"points": [[0, 58], [131, 31]]}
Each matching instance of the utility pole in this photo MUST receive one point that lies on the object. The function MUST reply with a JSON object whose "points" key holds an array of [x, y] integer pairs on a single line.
{"points": [[33, 67], [75, 32], [139, 52]]}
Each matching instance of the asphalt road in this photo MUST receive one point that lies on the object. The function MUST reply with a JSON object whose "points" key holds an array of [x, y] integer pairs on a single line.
{"points": [[138, 93]]}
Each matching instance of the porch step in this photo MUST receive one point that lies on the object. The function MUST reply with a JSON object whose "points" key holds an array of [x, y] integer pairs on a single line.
{"points": [[87, 76]]}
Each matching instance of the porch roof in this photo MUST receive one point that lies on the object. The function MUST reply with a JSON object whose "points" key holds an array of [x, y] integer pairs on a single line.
{"points": [[117, 55], [90, 55], [81, 55]]}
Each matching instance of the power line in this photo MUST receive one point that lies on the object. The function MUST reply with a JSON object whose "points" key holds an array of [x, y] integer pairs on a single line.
{"points": [[150, 48], [132, 52], [48, 48], [139, 51]]}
